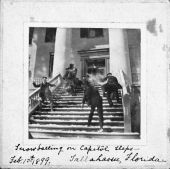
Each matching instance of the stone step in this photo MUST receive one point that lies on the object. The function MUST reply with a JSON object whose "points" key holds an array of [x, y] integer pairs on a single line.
{"points": [[98, 86], [77, 93], [80, 92], [75, 101], [112, 109], [80, 89], [65, 102], [70, 96], [76, 122], [61, 105], [76, 127], [77, 98], [77, 113], [68, 119], [53, 134], [77, 117]]}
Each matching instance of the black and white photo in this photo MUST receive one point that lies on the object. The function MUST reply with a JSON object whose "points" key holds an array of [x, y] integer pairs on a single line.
{"points": [[89, 82]]}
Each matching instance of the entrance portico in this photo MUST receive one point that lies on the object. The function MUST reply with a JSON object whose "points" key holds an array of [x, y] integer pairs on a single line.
{"points": [[95, 58]]}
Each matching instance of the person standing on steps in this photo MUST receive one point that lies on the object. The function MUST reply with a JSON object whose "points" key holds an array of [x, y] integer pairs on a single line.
{"points": [[45, 92], [85, 81], [111, 88], [94, 100], [70, 77]]}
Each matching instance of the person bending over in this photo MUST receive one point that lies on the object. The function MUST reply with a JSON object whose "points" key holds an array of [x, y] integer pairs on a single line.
{"points": [[110, 89]]}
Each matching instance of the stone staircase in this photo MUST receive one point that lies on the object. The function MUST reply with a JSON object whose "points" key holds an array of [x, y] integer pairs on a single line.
{"points": [[69, 119]]}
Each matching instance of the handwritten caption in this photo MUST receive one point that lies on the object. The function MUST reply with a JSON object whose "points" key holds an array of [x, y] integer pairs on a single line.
{"points": [[91, 153]]}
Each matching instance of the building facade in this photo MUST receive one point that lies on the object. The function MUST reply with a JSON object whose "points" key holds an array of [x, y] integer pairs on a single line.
{"points": [[51, 50]]}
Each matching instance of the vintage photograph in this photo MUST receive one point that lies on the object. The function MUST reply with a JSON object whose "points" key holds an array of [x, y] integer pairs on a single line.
{"points": [[84, 83]]}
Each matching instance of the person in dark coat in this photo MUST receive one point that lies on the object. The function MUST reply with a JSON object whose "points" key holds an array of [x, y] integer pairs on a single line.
{"points": [[71, 72], [135, 109], [94, 100], [111, 88], [45, 92], [85, 81], [70, 77]]}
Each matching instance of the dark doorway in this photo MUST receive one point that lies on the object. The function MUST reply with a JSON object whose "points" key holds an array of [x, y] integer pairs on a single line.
{"points": [[96, 66], [51, 60]]}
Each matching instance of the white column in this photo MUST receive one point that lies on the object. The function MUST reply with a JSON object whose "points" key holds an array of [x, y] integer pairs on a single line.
{"points": [[63, 54], [119, 53], [32, 59], [120, 62], [59, 51]]}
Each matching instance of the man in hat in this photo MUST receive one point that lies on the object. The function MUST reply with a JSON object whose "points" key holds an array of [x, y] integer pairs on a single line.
{"points": [[70, 77], [71, 72], [45, 92], [94, 100], [111, 88]]}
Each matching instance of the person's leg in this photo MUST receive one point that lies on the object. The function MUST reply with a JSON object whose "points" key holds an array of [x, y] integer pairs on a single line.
{"points": [[100, 113], [91, 115], [50, 98], [72, 90], [72, 87], [42, 96], [117, 96], [109, 98], [75, 85], [51, 103], [104, 89], [116, 93]]}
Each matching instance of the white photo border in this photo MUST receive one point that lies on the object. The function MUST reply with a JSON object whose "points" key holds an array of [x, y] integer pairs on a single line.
{"points": [[73, 141]]}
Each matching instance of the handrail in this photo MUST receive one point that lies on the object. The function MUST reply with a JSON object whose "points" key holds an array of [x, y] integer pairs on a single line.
{"points": [[126, 101], [34, 96]]}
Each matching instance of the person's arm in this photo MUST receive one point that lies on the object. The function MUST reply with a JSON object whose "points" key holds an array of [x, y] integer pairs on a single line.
{"points": [[51, 85], [116, 83], [76, 71], [103, 82], [119, 86], [66, 74], [84, 100], [116, 80], [84, 97], [105, 78], [35, 85]]}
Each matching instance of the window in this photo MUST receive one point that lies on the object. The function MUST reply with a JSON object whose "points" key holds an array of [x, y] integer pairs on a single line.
{"points": [[51, 61], [50, 35], [91, 32], [31, 31]]}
